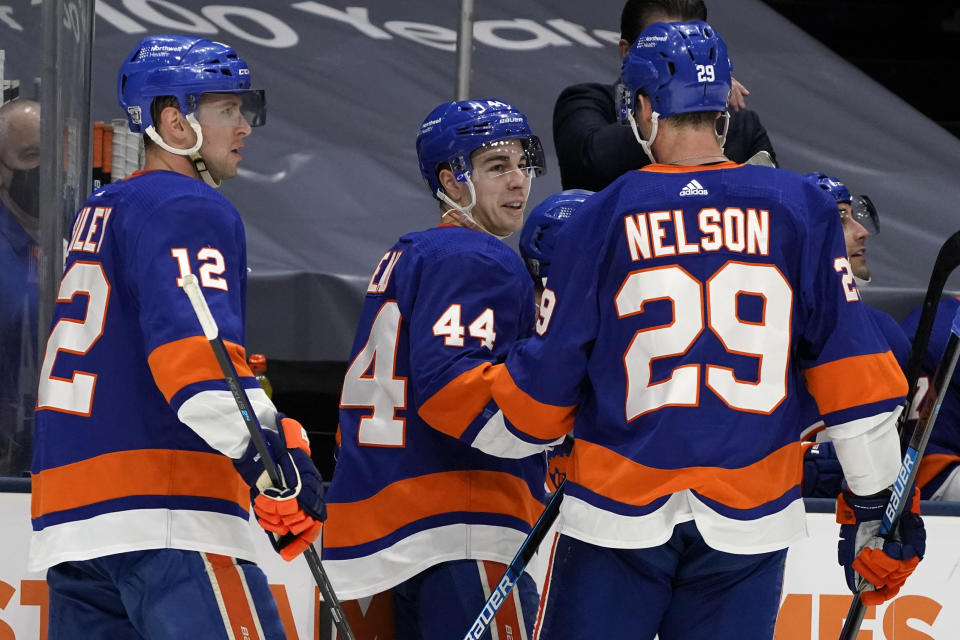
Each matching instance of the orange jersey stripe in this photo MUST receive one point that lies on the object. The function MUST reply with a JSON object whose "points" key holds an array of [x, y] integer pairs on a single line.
{"points": [[543, 421], [182, 362], [451, 409], [669, 168], [141, 472], [933, 465], [855, 381], [409, 500], [616, 477], [235, 603], [279, 592]]}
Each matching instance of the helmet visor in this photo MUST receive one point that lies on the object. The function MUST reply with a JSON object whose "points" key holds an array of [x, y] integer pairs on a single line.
{"points": [[501, 158], [864, 212], [233, 109]]}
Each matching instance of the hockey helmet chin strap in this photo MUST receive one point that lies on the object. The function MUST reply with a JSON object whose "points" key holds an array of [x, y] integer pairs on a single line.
{"points": [[465, 210], [193, 152], [655, 122]]}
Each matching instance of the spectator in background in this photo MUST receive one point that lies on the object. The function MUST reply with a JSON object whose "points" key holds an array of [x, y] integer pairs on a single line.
{"points": [[594, 146], [19, 169]]}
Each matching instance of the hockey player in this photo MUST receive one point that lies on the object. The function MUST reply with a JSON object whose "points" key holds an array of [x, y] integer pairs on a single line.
{"points": [[859, 219], [690, 302], [939, 474], [538, 238], [822, 476], [412, 506], [143, 470]]}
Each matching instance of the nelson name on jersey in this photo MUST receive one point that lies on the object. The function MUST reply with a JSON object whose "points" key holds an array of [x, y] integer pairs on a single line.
{"points": [[658, 234]]}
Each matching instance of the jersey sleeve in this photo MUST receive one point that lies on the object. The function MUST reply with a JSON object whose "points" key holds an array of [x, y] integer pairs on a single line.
{"points": [[542, 381], [469, 308], [894, 335], [203, 236], [849, 368]]}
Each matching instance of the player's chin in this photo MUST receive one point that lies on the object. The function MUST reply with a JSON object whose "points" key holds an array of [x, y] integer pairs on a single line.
{"points": [[859, 267], [228, 171], [512, 217]]}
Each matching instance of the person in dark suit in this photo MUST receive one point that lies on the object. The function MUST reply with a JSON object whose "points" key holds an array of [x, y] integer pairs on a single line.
{"points": [[594, 146]]}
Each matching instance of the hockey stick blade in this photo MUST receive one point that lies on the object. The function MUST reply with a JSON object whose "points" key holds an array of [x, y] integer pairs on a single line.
{"points": [[515, 569], [212, 333], [909, 467]]}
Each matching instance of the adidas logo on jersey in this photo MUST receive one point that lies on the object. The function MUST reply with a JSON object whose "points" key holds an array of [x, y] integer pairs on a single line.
{"points": [[693, 188]]}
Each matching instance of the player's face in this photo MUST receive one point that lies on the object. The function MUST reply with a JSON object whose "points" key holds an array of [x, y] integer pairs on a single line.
{"points": [[224, 129], [501, 178], [856, 237]]}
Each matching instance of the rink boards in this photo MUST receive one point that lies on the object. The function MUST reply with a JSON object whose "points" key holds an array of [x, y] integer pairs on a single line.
{"points": [[814, 603]]}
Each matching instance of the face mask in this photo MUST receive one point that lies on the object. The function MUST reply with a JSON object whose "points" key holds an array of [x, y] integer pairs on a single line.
{"points": [[24, 190]]}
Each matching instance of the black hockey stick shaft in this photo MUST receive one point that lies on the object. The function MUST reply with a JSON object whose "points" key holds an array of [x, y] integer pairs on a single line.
{"points": [[212, 333], [515, 569], [948, 259], [902, 492]]}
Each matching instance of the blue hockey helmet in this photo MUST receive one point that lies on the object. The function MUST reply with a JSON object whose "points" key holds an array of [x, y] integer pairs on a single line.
{"points": [[454, 130], [681, 66], [184, 67], [539, 235], [831, 185]]}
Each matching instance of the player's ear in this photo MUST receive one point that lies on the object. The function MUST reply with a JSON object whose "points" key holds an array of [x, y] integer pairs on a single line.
{"points": [[624, 47], [173, 127], [450, 185], [644, 110]]}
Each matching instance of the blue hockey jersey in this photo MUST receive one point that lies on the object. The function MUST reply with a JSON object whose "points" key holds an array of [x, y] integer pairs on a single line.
{"points": [[943, 449], [686, 309], [408, 490], [134, 422], [899, 345]]}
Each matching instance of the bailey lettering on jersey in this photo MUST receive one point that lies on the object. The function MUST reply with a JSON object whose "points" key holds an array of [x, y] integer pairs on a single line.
{"points": [[658, 234], [89, 229]]}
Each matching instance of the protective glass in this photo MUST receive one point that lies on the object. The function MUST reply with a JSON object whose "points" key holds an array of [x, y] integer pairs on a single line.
{"points": [[500, 158], [865, 213], [233, 109]]}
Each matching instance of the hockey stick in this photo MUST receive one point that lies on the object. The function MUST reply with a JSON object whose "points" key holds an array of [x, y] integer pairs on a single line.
{"points": [[515, 569], [903, 486], [212, 333], [947, 260]]}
